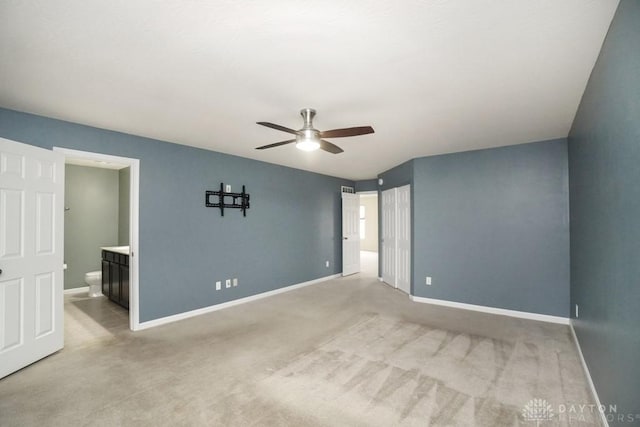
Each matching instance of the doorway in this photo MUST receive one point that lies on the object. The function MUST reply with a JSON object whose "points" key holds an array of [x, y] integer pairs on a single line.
{"points": [[368, 226], [97, 160]]}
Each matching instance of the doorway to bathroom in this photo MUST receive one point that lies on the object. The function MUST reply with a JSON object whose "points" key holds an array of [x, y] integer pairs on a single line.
{"points": [[101, 213]]}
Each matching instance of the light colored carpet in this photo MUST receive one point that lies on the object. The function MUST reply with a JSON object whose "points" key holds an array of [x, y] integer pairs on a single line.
{"points": [[351, 351]]}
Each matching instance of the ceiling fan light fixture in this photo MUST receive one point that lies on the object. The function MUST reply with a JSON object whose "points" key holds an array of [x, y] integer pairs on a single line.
{"points": [[307, 144], [308, 140]]}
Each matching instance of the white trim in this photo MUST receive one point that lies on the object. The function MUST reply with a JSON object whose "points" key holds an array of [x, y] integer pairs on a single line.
{"points": [[493, 310], [134, 200], [603, 416], [76, 290], [216, 307]]}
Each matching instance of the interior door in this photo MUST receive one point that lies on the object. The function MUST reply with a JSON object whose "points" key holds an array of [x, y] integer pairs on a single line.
{"points": [[350, 233], [389, 237], [31, 254], [403, 238]]}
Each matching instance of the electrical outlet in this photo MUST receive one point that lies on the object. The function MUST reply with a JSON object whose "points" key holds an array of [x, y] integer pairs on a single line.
{"points": [[227, 283], [227, 188], [428, 280], [326, 264], [218, 285], [577, 311], [235, 281]]}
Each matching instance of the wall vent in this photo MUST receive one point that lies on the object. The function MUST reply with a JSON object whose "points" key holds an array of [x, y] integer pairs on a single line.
{"points": [[345, 189]]}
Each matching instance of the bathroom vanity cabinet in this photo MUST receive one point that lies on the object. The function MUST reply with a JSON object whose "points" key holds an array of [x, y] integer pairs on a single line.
{"points": [[115, 275]]}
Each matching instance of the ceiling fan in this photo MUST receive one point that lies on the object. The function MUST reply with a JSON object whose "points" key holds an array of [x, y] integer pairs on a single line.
{"points": [[310, 139]]}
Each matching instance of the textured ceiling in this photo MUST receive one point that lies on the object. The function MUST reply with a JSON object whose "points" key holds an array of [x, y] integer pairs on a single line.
{"points": [[431, 76]]}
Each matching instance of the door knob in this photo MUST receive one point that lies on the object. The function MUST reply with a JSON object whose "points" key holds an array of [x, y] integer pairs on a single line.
{"points": [[345, 238], [0, 271]]}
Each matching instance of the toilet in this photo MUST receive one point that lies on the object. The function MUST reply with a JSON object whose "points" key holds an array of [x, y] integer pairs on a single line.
{"points": [[94, 280]]}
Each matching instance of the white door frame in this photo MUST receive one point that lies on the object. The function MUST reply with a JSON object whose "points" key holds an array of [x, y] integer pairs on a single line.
{"points": [[134, 200]]}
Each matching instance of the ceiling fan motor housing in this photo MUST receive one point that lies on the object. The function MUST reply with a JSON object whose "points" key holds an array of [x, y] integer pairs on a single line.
{"points": [[308, 138], [308, 114]]}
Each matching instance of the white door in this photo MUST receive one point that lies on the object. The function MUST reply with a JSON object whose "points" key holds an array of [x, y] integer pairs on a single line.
{"points": [[31, 251], [389, 237], [350, 233], [403, 239]]}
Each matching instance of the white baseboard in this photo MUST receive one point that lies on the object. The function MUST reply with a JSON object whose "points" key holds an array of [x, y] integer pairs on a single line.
{"points": [[77, 290], [603, 416], [493, 310], [174, 318]]}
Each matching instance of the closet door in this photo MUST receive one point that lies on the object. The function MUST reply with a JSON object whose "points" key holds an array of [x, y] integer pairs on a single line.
{"points": [[403, 239], [388, 241], [396, 238]]}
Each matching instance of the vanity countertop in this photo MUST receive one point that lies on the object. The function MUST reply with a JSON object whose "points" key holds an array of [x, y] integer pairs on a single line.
{"points": [[124, 250]]}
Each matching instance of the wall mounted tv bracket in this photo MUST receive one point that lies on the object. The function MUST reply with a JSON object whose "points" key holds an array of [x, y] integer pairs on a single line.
{"points": [[221, 199]]}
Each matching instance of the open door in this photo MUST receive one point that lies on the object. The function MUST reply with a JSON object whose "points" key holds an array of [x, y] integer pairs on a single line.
{"points": [[31, 254], [350, 233]]}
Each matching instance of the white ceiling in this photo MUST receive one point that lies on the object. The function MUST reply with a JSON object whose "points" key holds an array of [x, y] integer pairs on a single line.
{"points": [[431, 76]]}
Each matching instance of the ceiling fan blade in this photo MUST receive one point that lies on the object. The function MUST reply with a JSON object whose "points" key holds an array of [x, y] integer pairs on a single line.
{"points": [[331, 148], [340, 133], [278, 127], [276, 144]]}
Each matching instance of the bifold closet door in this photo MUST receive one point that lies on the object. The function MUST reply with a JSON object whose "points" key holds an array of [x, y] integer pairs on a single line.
{"points": [[403, 239], [388, 241], [396, 238]]}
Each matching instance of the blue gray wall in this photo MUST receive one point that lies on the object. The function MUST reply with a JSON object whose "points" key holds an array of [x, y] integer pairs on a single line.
{"points": [[292, 228], [367, 185], [397, 176], [491, 227], [91, 221], [604, 166]]}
